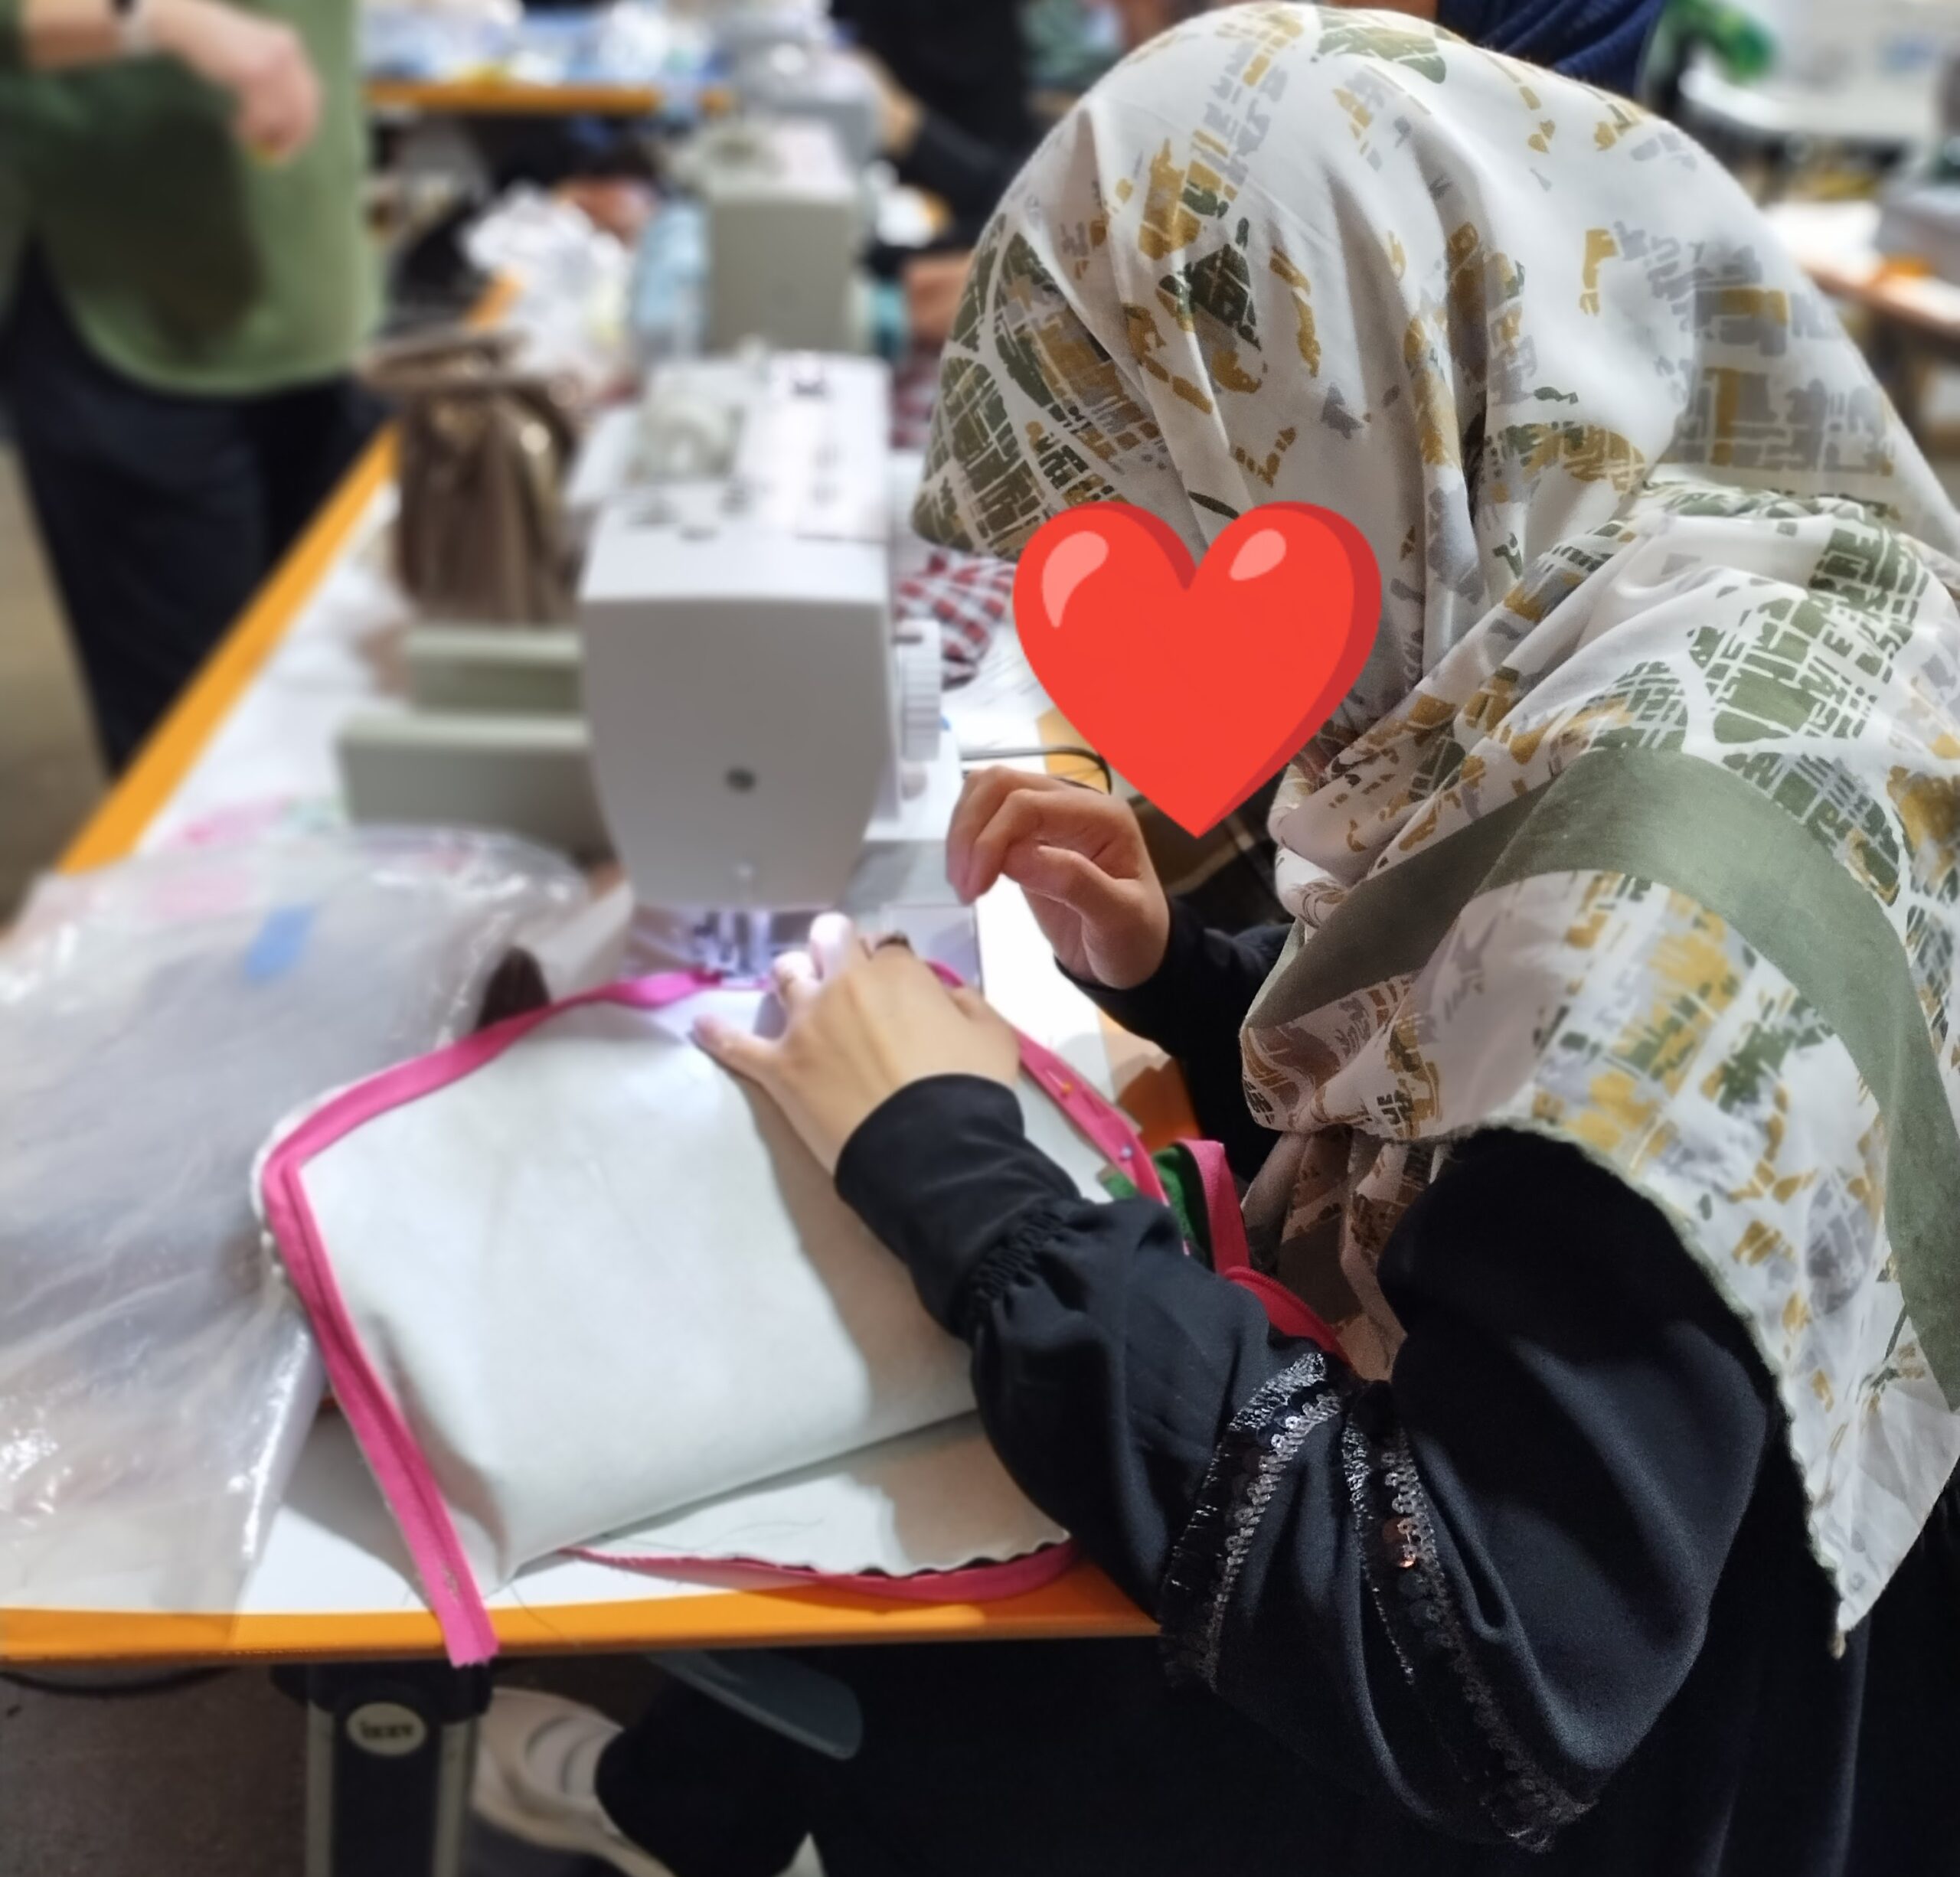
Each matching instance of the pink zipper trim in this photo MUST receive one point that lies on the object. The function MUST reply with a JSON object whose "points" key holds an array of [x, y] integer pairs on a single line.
{"points": [[1231, 1258], [402, 1469]]}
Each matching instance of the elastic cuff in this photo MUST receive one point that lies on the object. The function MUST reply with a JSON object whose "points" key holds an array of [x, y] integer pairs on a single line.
{"points": [[1147, 1009], [942, 1173]]}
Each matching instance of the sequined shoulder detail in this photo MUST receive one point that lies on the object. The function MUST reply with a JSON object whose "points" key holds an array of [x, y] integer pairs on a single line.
{"points": [[1264, 1439], [1419, 1611]]}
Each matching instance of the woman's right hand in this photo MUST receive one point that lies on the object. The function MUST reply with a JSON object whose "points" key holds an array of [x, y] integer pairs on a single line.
{"points": [[261, 63], [1079, 856]]}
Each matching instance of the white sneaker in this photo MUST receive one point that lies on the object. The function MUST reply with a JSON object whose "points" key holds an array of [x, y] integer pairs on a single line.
{"points": [[536, 1758]]}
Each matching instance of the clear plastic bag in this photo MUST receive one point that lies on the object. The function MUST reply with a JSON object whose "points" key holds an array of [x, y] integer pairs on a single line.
{"points": [[574, 283], [157, 1019]]}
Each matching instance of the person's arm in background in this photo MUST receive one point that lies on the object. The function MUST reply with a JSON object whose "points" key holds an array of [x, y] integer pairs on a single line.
{"points": [[969, 172], [261, 63], [953, 85]]}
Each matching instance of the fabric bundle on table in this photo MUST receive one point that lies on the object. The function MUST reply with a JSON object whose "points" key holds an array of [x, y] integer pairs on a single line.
{"points": [[577, 1287]]}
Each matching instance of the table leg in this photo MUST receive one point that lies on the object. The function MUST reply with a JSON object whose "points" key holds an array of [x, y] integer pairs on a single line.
{"points": [[390, 1751]]}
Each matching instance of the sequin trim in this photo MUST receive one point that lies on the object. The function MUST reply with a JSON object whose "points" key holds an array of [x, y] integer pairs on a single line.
{"points": [[1418, 1610], [1265, 1438]]}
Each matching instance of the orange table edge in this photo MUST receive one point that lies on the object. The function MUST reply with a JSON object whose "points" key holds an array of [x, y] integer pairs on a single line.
{"points": [[1082, 1603], [506, 97]]}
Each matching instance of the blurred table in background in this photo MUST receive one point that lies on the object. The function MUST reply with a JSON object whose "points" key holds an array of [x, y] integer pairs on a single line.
{"points": [[1914, 316], [619, 62]]}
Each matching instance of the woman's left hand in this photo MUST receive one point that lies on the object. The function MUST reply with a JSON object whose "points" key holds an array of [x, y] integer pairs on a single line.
{"points": [[861, 1025]]}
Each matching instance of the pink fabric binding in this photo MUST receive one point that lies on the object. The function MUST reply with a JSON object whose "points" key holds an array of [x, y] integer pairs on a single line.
{"points": [[406, 1480], [401, 1468]]}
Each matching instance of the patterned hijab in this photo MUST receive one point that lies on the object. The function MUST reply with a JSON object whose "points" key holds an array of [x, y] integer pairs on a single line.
{"points": [[1642, 829]]}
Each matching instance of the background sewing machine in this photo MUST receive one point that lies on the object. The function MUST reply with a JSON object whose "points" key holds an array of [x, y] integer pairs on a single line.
{"points": [[494, 732], [1919, 208], [785, 214]]}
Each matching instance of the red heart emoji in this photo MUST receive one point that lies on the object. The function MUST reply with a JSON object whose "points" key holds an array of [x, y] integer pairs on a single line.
{"points": [[1197, 684]]}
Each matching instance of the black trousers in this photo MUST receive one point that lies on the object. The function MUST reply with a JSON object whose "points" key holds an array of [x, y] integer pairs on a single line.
{"points": [[980, 1760], [161, 514]]}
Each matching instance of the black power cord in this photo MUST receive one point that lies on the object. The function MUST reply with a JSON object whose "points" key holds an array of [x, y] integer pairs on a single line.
{"points": [[969, 758]]}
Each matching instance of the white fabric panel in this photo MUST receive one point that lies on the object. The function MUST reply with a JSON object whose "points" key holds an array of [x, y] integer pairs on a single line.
{"points": [[604, 1281], [938, 1500]]}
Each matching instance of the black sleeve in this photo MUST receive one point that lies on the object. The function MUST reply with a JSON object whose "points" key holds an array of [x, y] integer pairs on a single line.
{"points": [[1469, 1591], [969, 174], [965, 63], [967, 66], [1192, 1009]]}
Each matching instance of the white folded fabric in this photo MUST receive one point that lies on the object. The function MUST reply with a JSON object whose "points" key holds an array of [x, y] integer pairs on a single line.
{"points": [[570, 1276]]}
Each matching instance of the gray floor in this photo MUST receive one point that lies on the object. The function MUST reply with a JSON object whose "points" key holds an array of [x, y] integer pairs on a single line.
{"points": [[207, 1780]]}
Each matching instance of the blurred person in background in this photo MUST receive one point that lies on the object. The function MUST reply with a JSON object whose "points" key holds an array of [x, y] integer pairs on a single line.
{"points": [[953, 83], [185, 278], [1598, 41], [954, 120]]}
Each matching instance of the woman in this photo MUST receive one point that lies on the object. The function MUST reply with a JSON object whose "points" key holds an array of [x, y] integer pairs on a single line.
{"points": [[185, 278], [1600, 1091]]}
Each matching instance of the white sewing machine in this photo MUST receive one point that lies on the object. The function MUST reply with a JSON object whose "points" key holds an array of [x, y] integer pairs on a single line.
{"points": [[805, 78], [764, 740], [786, 215], [739, 717]]}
